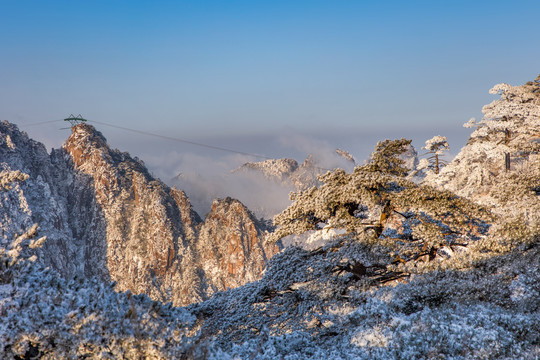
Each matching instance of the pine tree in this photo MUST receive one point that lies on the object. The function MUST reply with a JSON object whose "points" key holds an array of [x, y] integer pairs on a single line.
{"points": [[511, 121], [385, 158], [377, 196], [435, 147]]}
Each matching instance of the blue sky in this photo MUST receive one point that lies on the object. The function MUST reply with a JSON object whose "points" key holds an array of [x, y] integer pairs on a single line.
{"points": [[246, 74]]}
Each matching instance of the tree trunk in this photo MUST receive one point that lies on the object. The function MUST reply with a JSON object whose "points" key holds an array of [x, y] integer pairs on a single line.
{"points": [[507, 162]]}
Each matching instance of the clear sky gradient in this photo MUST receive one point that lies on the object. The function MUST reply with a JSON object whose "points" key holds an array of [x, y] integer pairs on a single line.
{"points": [[243, 74]]}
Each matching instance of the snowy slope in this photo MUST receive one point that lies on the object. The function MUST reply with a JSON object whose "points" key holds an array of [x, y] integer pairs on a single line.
{"points": [[473, 307], [481, 305]]}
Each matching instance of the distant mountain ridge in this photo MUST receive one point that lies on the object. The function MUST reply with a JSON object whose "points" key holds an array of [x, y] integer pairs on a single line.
{"points": [[300, 176], [264, 186]]}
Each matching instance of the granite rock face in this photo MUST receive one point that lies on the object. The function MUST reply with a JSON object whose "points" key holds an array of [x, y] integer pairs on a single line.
{"points": [[106, 217], [239, 255]]}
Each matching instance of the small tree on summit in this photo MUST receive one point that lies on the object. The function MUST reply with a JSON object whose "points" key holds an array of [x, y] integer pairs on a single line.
{"points": [[435, 147]]}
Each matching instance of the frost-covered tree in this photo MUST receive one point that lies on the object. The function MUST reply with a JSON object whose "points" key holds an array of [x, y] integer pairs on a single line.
{"points": [[436, 147], [418, 217], [505, 140], [499, 167], [512, 121], [385, 158]]}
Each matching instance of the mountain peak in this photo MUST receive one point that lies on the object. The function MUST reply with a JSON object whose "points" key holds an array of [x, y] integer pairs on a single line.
{"points": [[87, 144], [86, 134], [106, 217]]}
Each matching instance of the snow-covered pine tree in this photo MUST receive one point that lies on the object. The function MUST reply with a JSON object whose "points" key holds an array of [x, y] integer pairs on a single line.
{"points": [[435, 147], [512, 121], [499, 167], [385, 158], [408, 217]]}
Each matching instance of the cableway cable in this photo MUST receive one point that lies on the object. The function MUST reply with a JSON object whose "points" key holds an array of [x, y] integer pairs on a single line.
{"points": [[168, 138], [181, 140]]}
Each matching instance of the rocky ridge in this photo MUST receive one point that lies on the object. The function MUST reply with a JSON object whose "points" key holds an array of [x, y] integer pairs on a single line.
{"points": [[105, 216]]}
